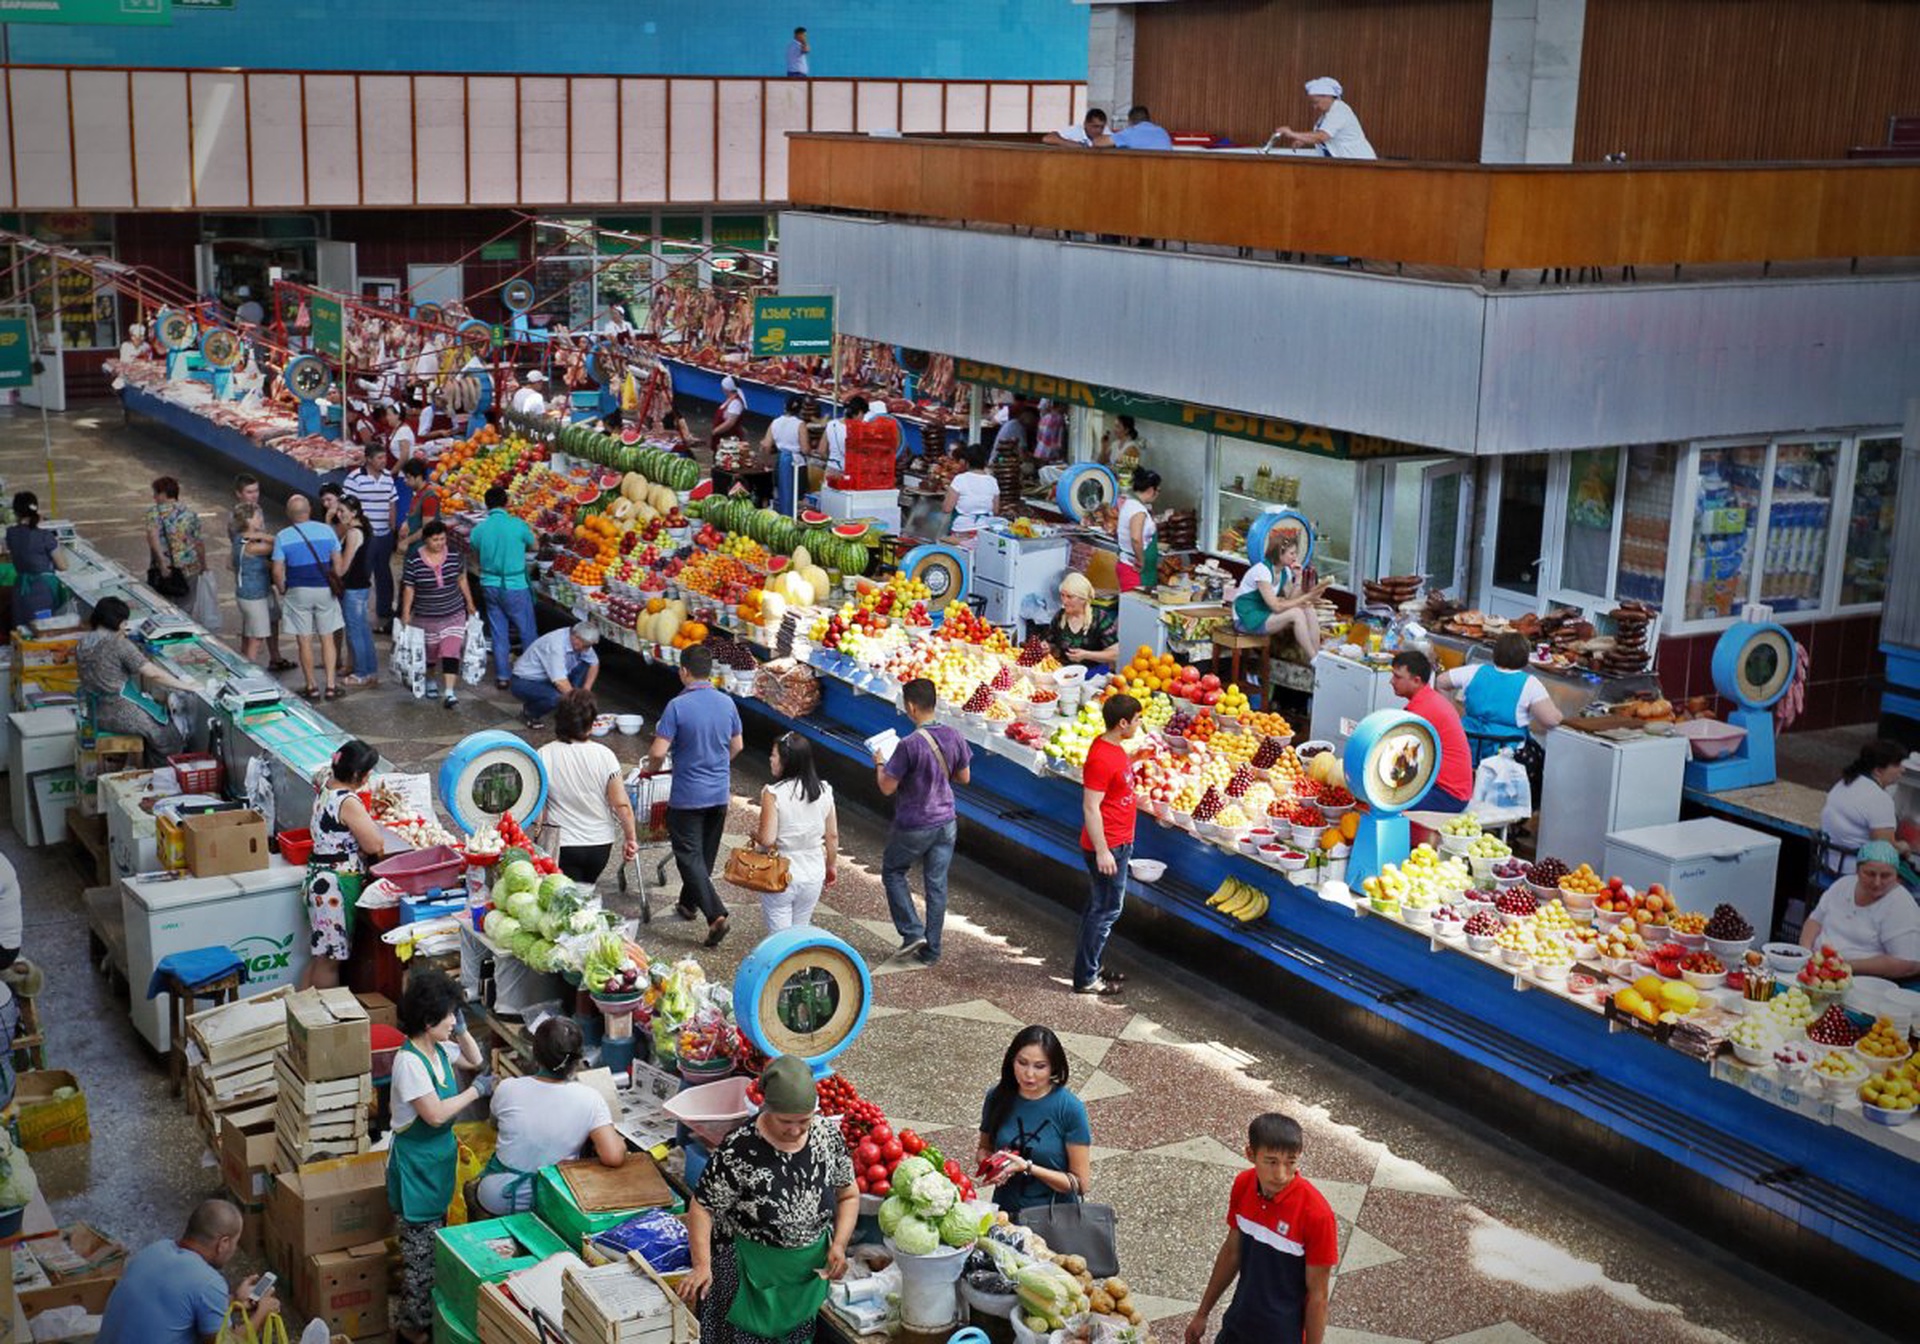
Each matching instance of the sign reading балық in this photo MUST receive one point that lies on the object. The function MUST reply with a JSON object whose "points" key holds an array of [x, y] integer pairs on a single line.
{"points": [[792, 324], [87, 11]]}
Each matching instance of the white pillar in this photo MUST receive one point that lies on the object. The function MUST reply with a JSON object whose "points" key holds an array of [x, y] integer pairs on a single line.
{"points": [[1533, 81], [1110, 59]]}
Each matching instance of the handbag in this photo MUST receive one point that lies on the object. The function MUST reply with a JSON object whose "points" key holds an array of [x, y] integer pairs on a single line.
{"points": [[170, 584], [335, 584], [1076, 1227], [757, 869]]}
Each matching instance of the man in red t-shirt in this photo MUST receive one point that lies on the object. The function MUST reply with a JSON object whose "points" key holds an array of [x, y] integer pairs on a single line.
{"points": [[1453, 786], [1282, 1244], [1106, 836]]}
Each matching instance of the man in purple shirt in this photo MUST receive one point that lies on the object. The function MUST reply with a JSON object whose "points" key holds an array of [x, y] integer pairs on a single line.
{"points": [[920, 775]]}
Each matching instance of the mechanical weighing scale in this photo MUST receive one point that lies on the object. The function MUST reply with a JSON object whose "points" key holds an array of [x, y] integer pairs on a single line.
{"points": [[1084, 488], [944, 569], [1391, 759], [177, 333], [1262, 527], [517, 296], [221, 352], [1753, 665], [309, 380], [803, 992], [489, 775]]}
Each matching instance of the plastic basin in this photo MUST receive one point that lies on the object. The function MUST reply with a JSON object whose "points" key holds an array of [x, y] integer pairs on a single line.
{"points": [[1709, 739]]}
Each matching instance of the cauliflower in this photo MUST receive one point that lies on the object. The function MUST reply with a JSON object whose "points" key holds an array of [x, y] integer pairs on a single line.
{"points": [[932, 1195]]}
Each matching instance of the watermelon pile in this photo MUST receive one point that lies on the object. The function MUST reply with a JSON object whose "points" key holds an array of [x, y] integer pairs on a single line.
{"points": [[656, 464], [836, 546]]}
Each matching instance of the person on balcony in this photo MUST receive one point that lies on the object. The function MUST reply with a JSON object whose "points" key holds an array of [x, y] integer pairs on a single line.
{"points": [[1336, 134]]}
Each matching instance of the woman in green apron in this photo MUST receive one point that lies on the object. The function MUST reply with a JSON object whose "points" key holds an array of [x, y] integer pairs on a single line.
{"points": [[545, 1118], [1270, 598], [770, 1221], [1138, 533], [111, 669], [346, 843], [425, 1157]]}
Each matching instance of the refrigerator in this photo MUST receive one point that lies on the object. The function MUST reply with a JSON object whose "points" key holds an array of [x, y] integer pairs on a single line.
{"points": [[1345, 691], [1594, 786], [1706, 862], [40, 763], [1009, 570], [261, 915]]}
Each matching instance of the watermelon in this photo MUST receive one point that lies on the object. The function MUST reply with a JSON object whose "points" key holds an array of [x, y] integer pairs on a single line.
{"points": [[813, 518], [851, 531]]}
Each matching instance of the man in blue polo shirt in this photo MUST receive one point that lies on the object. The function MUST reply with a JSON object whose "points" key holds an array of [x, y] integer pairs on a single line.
{"points": [[702, 728], [173, 1291], [305, 554], [1141, 132]]}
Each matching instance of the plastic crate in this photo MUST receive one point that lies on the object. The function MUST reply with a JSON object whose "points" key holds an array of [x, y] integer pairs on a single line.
{"points": [[432, 905], [422, 870], [199, 773], [296, 847]]}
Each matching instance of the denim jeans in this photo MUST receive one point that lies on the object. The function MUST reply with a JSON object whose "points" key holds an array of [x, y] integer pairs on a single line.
{"points": [[380, 562], [539, 696], [932, 848], [353, 609], [508, 606], [1105, 898], [786, 486]]}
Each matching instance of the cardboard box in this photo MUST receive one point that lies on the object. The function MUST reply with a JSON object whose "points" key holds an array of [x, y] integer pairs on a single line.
{"points": [[327, 1035], [89, 1294], [381, 1011], [246, 1153], [75, 1253], [225, 842], [347, 1289], [330, 1206], [43, 1122]]}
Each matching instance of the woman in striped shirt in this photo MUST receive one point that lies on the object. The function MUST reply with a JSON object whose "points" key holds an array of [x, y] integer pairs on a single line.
{"points": [[434, 596]]}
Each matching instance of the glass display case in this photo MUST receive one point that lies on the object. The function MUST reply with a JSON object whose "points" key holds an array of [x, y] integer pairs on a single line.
{"points": [[1870, 519], [1729, 482], [1798, 522], [1252, 478], [1646, 519]]}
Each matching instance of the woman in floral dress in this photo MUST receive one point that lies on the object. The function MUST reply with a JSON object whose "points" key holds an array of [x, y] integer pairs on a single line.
{"points": [[346, 843]]}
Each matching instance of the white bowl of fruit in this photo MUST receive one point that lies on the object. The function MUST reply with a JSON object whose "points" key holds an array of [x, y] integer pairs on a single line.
{"points": [[1883, 1045], [1703, 970], [1754, 1040], [1839, 1072], [1890, 1097]]}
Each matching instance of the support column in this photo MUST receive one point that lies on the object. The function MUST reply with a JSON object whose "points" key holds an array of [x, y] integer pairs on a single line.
{"points": [[1533, 81], [1110, 59]]}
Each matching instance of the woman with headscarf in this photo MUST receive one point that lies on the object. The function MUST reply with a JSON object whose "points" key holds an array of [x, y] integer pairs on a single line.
{"points": [[1082, 632], [770, 1221], [726, 420], [1869, 918]]}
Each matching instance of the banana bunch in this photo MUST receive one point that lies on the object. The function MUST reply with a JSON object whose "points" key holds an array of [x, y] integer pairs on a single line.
{"points": [[1243, 901]]}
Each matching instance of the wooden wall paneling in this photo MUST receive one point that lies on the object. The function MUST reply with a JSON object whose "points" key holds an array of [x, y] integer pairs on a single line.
{"points": [[42, 153], [594, 122], [333, 141], [543, 140], [102, 150], [493, 140], [1414, 73], [440, 139], [737, 172], [786, 111], [386, 140], [690, 139], [643, 146], [1715, 80]]}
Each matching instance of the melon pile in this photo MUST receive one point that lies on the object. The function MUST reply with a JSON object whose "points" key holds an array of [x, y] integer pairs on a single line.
{"points": [[840, 547], [797, 582], [642, 500]]}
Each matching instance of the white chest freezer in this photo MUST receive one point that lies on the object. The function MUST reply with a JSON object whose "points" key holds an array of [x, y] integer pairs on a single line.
{"points": [[1705, 862], [1594, 786], [261, 915], [42, 781]]}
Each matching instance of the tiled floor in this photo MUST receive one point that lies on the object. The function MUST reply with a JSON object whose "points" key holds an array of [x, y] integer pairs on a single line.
{"points": [[1446, 1235]]}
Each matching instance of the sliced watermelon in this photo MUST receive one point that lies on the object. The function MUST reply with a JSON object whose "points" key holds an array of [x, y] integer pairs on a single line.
{"points": [[851, 531], [779, 564], [815, 518], [586, 494], [630, 435]]}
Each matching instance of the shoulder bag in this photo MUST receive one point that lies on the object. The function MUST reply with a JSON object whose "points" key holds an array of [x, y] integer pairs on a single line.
{"points": [[1074, 1226], [756, 869], [170, 583], [335, 584]]}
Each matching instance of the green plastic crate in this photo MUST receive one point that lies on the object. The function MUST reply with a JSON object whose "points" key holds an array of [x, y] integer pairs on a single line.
{"points": [[446, 1330], [465, 1257], [553, 1201]]}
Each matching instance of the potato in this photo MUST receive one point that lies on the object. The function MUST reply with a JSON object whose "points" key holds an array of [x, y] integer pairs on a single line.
{"points": [[1133, 1317], [1074, 1264], [1100, 1302], [1117, 1288]]}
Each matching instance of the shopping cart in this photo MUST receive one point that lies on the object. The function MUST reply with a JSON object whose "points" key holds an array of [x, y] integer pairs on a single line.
{"points": [[648, 792]]}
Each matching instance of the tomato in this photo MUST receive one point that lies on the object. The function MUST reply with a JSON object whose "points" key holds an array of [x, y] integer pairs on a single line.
{"points": [[912, 1143], [867, 1154], [892, 1150], [881, 1188], [877, 1174], [882, 1132]]}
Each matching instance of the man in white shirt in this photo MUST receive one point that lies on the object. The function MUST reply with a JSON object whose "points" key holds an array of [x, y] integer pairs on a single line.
{"points": [[797, 52], [614, 322], [834, 437], [1336, 134], [529, 400], [373, 485], [1091, 130]]}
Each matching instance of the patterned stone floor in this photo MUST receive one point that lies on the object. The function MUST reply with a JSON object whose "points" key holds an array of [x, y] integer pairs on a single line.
{"points": [[1447, 1234]]}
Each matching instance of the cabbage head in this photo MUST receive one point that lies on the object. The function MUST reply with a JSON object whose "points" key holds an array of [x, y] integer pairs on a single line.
{"points": [[909, 1170], [892, 1211], [960, 1226], [932, 1195], [915, 1236], [521, 876], [555, 885]]}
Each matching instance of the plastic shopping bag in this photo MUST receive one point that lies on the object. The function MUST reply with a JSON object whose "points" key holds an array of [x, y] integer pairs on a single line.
{"points": [[1500, 787], [410, 658], [476, 652], [237, 1328]]}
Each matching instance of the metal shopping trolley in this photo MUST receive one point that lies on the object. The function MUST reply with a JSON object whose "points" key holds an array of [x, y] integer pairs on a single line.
{"points": [[648, 792]]}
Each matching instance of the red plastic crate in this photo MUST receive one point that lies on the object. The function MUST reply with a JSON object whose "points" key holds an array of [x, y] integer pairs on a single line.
{"points": [[199, 773]]}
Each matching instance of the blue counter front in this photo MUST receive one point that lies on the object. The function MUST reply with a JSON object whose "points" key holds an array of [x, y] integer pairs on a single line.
{"points": [[231, 444]]}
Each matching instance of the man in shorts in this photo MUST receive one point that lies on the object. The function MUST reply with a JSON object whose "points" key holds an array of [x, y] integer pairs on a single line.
{"points": [[305, 554]]}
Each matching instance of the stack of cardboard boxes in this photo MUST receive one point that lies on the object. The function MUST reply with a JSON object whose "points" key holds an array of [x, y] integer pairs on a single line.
{"points": [[230, 1051], [324, 1079]]}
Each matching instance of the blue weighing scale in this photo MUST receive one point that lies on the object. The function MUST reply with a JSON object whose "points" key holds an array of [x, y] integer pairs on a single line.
{"points": [[221, 352], [1084, 488], [803, 992], [1753, 666], [490, 775], [1262, 527], [944, 569], [178, 334], [307, 377], [1391, 760]]}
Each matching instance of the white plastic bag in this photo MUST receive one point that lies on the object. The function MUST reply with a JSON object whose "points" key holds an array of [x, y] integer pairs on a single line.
{"points": [[476, 652], [410, 658], [1500, 787]]}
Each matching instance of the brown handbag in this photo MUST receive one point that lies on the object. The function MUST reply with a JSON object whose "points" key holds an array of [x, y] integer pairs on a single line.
{"points": [[757, 869]]}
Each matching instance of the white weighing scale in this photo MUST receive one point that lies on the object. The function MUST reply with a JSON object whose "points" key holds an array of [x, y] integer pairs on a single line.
{"points": [[165, 628], [248, 693]]}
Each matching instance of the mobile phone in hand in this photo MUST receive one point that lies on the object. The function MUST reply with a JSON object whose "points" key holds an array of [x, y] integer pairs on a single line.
{"points": [[262, 1287]]}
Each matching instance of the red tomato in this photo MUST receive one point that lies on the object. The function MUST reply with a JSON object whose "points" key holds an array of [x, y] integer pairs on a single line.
{"points": [[892, 1150], [911, 1142], [882, 1132], [880, 1188], [877, 1175], [867, 1153]]}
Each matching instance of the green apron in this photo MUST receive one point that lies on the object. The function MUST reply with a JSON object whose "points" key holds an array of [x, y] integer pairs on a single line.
{"points": [[780, 1290], [1150, 564], [522, 1180], [1250, 612], [425, 1158]]}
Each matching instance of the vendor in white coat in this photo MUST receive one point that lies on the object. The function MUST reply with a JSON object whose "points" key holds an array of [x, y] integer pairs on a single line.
{"points": [[531, 398], [1869, 918], [1859, 808], [1336, 131]]}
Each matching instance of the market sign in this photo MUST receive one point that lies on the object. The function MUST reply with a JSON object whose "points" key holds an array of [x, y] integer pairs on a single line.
{"points": [[1160, 410], [16, 352], [328, 325], [789, 324], [118, 12], [203, 4]]}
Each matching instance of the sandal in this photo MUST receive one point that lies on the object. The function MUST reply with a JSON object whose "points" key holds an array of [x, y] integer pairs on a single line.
{"points": [[311, 693], [333, 692], [282, 665]]}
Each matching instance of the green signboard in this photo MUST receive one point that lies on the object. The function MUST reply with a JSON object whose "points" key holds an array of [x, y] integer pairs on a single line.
{"points": [[329, 325], [87, 11], [792, 324], [203, 4], [1112, 401], [16, 352], [501, 249]]}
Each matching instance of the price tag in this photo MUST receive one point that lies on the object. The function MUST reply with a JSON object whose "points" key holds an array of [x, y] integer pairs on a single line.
{"points": [[1347, 727], [416, 791]]}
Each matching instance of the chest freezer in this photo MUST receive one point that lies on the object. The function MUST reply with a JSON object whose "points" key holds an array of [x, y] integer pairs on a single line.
{"points": [[1345, 691], [1705, 862], [43, 784], [1594, 786], [261, 915]]}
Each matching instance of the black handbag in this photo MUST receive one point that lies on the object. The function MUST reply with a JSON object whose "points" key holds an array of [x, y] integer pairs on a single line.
{"points": [[1076, 1227]]}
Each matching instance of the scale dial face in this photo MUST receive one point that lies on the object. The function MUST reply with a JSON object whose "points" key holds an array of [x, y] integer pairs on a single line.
{"points": [[1399, 767], [221, 348], [803, 992], [175, 329], [477, 336], [517, 296], [1764, 668], [307, 378], [431, 313]]}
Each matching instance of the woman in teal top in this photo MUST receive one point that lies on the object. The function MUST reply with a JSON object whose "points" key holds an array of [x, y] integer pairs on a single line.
{"points": [[1031, 1114], [425, 1157], [1502, 701]]}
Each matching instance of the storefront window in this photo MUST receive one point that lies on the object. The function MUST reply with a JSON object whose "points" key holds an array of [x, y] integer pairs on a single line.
{"points": [[1726, 512], [1254, 478], [1519, 541], [1799, 519], [1587, 539], [1870, 522], [1646, 515]]}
